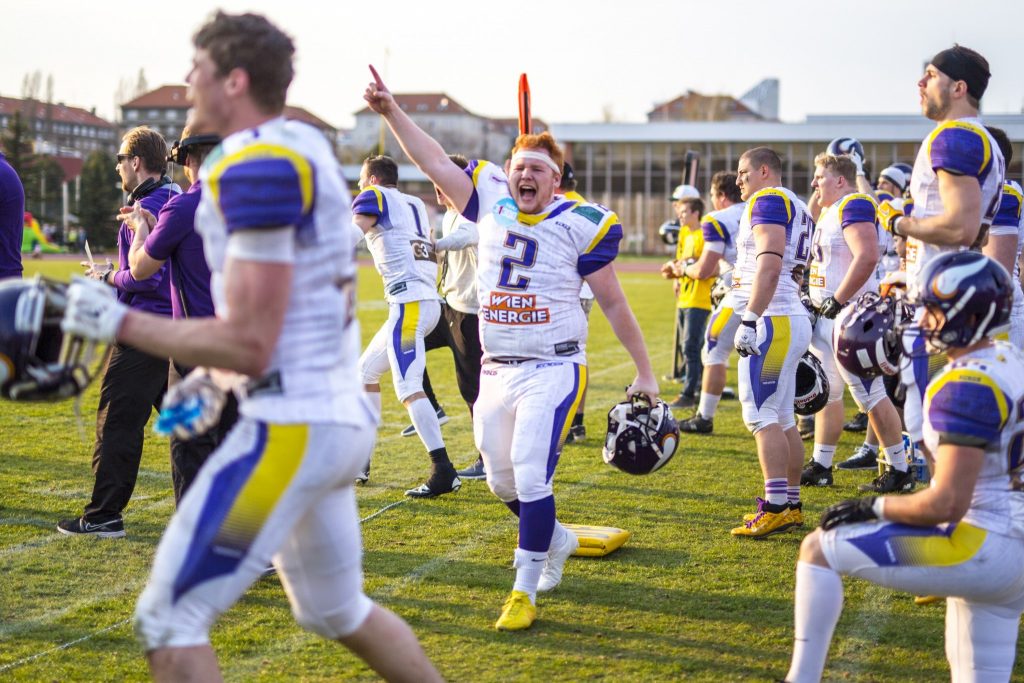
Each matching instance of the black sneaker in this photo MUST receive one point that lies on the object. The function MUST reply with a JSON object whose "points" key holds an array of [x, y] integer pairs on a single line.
{"points": [[728, 394], [890, 481], [475, 471], [859, 423], [862, 459], [697, 425], [816, 474], [113, 528], [364, 475], [805, 425], [576, 433], [441, 419], [440, 483], [683, 401]]}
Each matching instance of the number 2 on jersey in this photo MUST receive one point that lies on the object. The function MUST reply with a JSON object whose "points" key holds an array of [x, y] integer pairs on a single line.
{"points": [[525, 259]]}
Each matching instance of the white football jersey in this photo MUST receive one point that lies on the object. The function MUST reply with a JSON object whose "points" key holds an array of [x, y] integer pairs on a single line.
{"points": [[284, 173], [776, 206], [530, 268], [831, 257], [978, 399], [720, 228], [1008, 219], [401, 243], [962, 147]]}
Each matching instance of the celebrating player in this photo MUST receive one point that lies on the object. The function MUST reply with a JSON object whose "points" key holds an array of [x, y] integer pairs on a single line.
{"points": [[963, 537], [844, 252], [772, 244], [535, 251], [275, 223], [398, 235]]}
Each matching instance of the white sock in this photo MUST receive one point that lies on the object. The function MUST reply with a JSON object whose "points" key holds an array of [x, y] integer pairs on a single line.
{"points": [[529, 566], [708, 405], [823, 454], [424, 417], [871, 447], [897, 456], [819, 602]]}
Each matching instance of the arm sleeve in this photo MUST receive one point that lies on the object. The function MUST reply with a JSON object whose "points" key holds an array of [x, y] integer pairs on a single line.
{"points": [[263, 186], [603, 239], [858, 209], [960, 148], [372, 202], [489, 186], [967, 407]]}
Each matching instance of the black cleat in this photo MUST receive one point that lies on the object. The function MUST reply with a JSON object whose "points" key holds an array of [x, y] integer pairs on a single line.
{"points": [[697, 425], [576, 433], [858, 423], [816, 474], [862, 459], [440, 483], [805, 425], [890, 481]]}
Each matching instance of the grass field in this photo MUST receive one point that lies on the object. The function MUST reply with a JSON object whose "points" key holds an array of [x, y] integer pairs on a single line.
{"points": [[682, 600]]}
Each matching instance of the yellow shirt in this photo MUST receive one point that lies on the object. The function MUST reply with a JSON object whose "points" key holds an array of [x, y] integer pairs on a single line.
{"points": [[692, 293]]}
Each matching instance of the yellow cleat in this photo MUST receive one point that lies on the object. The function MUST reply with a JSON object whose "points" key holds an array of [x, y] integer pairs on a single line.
{"points": [[517, 614], [769, 519], [926, 599], [796, 512]]}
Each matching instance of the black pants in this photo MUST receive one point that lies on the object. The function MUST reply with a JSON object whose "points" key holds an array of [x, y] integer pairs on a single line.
{"points": [[461, 333], [188, 455], [133, 385]]}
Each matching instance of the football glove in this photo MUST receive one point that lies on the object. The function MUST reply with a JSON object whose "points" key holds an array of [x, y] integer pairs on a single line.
{"points": [[849, 511], [191, 407], [745, 340], [857, 160], [829, 308], [93, 311], [888, 213]]}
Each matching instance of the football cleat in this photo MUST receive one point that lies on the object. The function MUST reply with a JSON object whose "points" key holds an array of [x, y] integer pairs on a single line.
{"points": [[863, 458], [858, 423], [697, 425], [816, 474], [890, 481], [112, 528], [769, 519], [551, 576], [440, 483], [805, 425], [683, 401], [517, 613], [926, 599], [796, 512], [442, 419], [364, 474], [576, 433]]}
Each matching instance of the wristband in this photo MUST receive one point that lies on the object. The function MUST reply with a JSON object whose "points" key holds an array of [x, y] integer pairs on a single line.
{"points": [[895, 227], [749, 317], [878, 507]]}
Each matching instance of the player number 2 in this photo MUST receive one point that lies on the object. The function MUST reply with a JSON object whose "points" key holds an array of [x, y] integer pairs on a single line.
{"points": [[525, 259]]}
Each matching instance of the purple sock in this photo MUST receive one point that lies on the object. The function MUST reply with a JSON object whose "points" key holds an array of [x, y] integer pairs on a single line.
{"points": [[537, 524], [513, 505]]}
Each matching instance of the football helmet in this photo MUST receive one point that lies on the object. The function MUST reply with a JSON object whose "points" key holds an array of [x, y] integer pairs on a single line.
{"points": [[37, 361], [811, 386], [867, 342], [641, 437], [846, 146], [967, 296], [669, 232]]}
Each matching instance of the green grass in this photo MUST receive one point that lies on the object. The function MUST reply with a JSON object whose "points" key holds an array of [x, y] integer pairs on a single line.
{"points": [[681, 600]]}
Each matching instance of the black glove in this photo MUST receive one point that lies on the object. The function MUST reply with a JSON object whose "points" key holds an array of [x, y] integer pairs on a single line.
{"points": [[809, 305], [848, 512], [829, 308]]}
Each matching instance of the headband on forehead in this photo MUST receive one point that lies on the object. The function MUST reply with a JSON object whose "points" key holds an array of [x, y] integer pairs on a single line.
{"points": [[959, 66], [537, 156]]}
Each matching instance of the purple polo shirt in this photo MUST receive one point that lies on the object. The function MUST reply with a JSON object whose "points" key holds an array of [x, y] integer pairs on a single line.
{"points": [[152, 295], [175, 240], [12, 220]]}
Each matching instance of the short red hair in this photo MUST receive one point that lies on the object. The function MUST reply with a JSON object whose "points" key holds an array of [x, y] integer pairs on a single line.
{"points": [[544, 141]]}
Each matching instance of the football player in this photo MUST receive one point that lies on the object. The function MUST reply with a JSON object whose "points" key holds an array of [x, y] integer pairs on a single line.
{"points": [[718, 256], [399, 238], [962, 537], [844, 252], [275, 222], [535, 251], [772, 248], [1006, 238], [955, 186]]}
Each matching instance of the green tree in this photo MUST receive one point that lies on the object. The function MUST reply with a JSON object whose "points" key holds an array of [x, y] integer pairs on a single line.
{"points": [[43, 189], [17, 144], [101, 198]]}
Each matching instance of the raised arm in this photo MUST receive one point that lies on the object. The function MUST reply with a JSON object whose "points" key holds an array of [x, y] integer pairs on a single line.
{"points": [[423, 150]]}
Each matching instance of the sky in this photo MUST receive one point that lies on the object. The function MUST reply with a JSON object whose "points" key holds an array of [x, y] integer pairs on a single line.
{"points": [[585, 60]]}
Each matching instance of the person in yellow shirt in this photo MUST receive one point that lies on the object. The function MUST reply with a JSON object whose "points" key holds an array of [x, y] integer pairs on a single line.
{"points": [[693, 300]]}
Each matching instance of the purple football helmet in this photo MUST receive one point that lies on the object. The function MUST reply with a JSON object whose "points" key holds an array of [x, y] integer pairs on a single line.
{"points": [[969, 294], [867, 342], [641, 438], [37, 361]]}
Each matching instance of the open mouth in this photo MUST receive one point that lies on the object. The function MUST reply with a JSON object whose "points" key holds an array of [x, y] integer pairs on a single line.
{"points": [[527, 192]]}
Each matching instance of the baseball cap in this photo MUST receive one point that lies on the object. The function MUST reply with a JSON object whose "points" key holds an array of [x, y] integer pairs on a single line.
{"points": [[682, 191]]}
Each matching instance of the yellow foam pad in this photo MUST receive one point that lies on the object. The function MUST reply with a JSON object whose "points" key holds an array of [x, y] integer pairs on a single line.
{"points": [[597, 541]]}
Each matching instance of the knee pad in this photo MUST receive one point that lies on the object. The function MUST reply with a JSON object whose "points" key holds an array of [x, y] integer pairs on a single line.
{"points": [[343, 619], [532, 482], [158, 624]]}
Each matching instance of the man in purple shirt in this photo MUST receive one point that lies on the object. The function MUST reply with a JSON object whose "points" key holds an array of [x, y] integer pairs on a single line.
{"points": [[134, 382], [171, 239], [12, 220]]}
